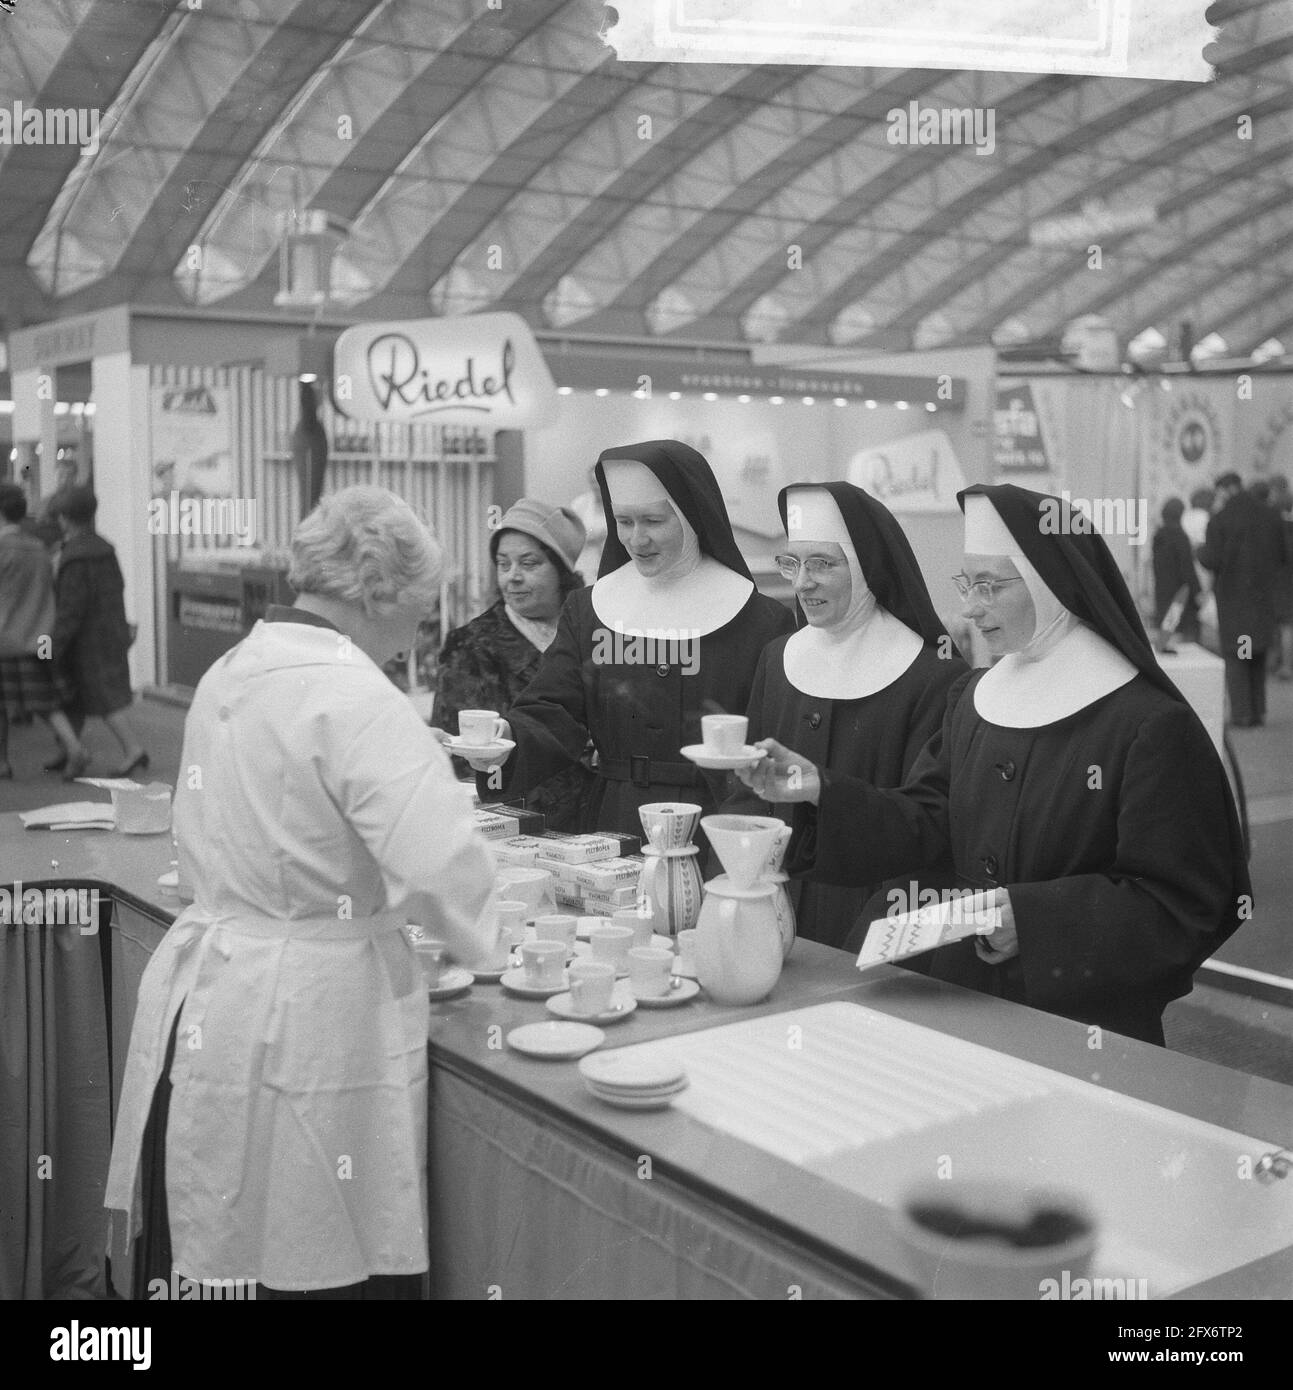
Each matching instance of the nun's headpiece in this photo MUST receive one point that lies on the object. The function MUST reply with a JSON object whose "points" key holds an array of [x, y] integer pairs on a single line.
{"points": [[884, 553], [691, 486]]}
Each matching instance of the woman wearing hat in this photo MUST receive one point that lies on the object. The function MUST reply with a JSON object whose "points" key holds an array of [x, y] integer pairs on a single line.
{"points": [[862, 685], [671, 631], [488, 662], [1071, 779]]}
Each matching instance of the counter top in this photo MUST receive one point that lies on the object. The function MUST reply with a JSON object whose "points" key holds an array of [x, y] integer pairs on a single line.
{"points": [[467, 1033]]}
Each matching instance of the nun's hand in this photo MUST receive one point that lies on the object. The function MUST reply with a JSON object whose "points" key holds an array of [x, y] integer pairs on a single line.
{"points": [[782, 775], [1003, 943]]}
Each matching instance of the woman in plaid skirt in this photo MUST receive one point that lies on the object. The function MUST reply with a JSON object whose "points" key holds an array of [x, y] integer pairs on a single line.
{"points": [[29, 680]]}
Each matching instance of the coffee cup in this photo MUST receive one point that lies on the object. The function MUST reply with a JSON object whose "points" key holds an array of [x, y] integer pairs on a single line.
{"points": [[433, 957], [984, 1239], [724, 734], [533, 887], [639, 921], [543, 962], [592, 983], [559, 926], [479, 727], [686, 944], [512, 913], [612, 944], [650, 971]]}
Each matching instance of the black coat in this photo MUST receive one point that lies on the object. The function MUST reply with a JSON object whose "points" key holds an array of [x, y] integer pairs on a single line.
{"points": [[630, 711], [1245, 548], [1111, 828], [91, 635], [1174, 566], [877, 738], [485, 664]]}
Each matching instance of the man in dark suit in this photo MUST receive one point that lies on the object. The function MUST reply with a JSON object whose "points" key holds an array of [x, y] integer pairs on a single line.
{"points": [[1245, 549]]}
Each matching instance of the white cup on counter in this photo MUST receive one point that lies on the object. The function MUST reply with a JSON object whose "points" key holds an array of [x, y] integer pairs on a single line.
{"points": [[650, 971], [592, 984], [433, 957], [641, 924], [512, 913], [557, 926], [612, 944], [543, 962]]}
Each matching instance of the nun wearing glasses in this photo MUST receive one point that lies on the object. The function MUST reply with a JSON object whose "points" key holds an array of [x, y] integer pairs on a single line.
{"points": [[1071, 778], [861, 687]]}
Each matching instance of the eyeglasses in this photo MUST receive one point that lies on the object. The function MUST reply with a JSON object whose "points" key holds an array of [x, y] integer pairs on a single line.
{"points": [[984, 590], [815, 567]]}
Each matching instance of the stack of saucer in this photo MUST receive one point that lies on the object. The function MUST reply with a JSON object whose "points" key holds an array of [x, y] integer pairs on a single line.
{"points": [[633, 1082]]}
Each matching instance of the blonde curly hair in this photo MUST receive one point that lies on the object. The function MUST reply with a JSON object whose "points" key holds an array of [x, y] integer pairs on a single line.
{"points": [[365, 545]]}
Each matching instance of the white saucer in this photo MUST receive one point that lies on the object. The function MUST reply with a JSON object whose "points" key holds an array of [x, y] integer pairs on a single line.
{"points": [[556, 1040], [628, 1071], [496, 749], [622, 1005], [686, 989], [719, 762], [661, 1100], [455, 980], [514, 982], [491, 977]]}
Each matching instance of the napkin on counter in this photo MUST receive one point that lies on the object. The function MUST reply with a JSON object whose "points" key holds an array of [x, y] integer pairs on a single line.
{"points": [[909, 933], [71, 815]]}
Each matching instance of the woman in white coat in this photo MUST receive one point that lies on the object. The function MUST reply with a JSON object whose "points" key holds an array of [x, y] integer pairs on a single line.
{"points": [[316, 816]]}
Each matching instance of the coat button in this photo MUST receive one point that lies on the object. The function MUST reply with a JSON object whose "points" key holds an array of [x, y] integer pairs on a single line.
{"points": [[990, 865], [815, 722], [1007, 771], [662, 670]]}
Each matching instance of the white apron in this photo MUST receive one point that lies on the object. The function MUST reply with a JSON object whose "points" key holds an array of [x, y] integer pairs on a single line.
{"points": [[296, 1139]]}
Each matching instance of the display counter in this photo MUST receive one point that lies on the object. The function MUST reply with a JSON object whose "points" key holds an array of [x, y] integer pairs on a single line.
{"points": [[539, 1190]]}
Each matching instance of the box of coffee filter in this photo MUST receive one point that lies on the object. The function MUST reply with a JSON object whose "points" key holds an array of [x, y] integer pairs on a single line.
{"points": [[494, 826], [519, 849], [606, 875], [580, 849]]}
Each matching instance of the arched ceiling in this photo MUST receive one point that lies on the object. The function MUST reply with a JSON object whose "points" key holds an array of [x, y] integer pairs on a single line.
{"points": [[504, 158]]}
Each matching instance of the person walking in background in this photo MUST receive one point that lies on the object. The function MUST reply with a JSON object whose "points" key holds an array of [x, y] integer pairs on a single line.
{"points": [[30, 682], [1245, 549], [1195, 520], [486, 663], [1282, 501], [91, 635], [1174, 570], [46, 524]]}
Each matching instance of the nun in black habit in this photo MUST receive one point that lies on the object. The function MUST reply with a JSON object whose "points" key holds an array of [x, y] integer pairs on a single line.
{"points": [[671, 630], [1072, 778], [861, 687]]}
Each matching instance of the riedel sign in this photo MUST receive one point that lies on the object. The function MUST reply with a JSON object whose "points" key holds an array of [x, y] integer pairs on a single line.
{"points": [[484, 369]]}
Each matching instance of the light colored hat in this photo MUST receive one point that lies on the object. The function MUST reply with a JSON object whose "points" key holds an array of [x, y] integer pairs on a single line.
{"points": [[557, 527]]}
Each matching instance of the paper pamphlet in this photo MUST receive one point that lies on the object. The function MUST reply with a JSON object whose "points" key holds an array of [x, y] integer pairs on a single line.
{"points": [[909, 933]]}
